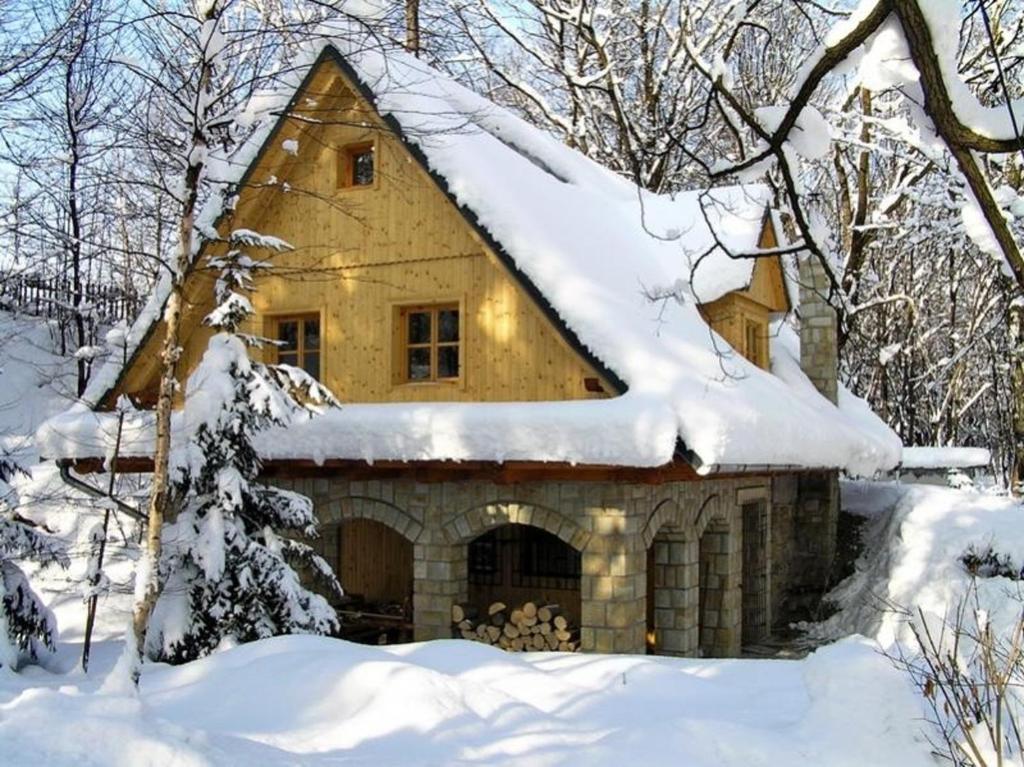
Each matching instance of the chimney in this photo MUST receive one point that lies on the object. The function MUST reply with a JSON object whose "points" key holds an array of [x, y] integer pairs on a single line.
{"points": [[819, 338]]}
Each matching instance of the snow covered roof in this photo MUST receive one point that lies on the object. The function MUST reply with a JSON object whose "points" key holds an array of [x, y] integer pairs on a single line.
{"points": [[945, 458], [590, 247]]}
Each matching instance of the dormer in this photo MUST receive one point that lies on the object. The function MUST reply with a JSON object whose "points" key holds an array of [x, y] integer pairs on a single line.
{"points": [[742, 317]]}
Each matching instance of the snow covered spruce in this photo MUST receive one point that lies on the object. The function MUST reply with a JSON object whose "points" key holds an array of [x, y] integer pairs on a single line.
{"points": [[27, 626], [227, 571]]}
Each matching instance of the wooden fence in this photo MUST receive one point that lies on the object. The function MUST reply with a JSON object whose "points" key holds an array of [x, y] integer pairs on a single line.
{"points": [[53, 297]]}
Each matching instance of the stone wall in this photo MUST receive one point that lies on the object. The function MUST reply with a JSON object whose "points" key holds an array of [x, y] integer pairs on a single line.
{"points": [[805, 520], [613, 525]]}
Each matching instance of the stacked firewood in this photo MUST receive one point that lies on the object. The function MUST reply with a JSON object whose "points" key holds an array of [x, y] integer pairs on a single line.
{"points": [[528, 628]]}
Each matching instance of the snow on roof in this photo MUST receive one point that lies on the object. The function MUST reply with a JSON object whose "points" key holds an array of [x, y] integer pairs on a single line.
{"points": [[945, 458], [594, 247]]}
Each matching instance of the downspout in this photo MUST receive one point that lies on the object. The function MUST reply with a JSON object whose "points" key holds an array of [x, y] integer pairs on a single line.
{"points": [[69, 479]]}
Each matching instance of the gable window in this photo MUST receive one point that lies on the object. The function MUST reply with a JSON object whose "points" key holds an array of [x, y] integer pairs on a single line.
{"points": [[357, 165], [298, 342], [429, 343]]}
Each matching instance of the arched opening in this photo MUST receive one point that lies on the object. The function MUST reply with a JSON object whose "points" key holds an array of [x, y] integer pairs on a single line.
{"points": [[671, 593], [374, 565], [515, 564]]}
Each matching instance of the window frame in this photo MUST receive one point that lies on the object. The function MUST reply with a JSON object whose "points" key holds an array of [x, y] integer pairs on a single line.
{"points": [[346, 164], [756, 352], [400, 341], [271, 329]]}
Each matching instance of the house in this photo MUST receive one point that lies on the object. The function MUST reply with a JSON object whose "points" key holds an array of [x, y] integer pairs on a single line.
{"points": [[556, 387]]}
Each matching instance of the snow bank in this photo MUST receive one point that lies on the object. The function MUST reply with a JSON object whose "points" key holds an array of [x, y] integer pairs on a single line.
{"points": [[915, 536], [35, 381], [320, 701]]}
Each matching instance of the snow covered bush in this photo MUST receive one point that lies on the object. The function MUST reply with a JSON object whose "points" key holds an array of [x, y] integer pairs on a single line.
{"points": [[228, 571], [986, 562], [26, 624]]}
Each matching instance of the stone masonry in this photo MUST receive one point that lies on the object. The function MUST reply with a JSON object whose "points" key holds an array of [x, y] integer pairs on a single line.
{"points": [[819, 349], [613, 526]]}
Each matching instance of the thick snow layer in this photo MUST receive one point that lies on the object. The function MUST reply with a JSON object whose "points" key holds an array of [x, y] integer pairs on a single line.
{"points": [[915, 536], [596, 248], [35, 381], [315, 701], [945, 457]]}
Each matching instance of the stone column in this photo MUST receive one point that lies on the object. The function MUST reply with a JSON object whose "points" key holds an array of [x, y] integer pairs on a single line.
{"points": [[721, 572], [675, 594], [439, 581], [613, 595]]}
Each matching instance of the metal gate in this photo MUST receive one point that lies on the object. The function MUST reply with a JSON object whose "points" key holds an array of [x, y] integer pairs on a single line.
{"points": [[755, 572]]}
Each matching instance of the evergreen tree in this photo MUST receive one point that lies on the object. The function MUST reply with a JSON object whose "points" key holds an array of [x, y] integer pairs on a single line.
{"points": [[26, 625], [229, 571]]}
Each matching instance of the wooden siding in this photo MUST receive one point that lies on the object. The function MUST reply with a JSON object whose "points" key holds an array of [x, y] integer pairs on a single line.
{"points": [[362, 251]]}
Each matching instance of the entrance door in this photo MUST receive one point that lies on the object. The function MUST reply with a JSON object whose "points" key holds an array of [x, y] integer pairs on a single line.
{"points": [[755, 572]]}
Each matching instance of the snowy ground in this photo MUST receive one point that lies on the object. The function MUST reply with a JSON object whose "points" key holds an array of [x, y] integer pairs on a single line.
{"points": [[304, 700]]}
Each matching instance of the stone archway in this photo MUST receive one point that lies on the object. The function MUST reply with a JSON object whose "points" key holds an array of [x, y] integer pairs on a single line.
{"points": [[365, 507], [369, 544], [477, 520], [516, 563]]}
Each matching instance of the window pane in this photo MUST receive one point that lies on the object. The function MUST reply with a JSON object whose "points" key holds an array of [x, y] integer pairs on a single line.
{"points": [[288, 333], [419, 327], [288, 358], [311, 334], [419, 364], [362, 168], [448, 325], [311, 364], [448, 362]]}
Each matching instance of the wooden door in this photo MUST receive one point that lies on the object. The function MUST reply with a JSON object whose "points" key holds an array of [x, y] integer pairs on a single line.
{"points": [[755, 572]]}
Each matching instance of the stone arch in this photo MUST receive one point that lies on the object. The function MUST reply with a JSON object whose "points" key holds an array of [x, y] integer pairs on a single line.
{"points": [[711, 512], [348, 507], [667, 512], [477, 520]]}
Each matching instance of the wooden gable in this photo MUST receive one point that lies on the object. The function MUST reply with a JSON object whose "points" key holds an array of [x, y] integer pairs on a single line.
{"points": [[742, 316], [364, 252]]}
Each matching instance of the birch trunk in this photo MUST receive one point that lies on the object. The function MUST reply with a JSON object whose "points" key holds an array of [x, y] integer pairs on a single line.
{"points": [[148, 591]]}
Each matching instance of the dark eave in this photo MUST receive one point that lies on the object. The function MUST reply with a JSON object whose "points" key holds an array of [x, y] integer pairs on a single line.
{"points": [[509, 472]]}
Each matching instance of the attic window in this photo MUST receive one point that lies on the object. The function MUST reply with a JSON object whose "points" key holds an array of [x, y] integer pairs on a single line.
{"points": [[357, 166], [755, 342], [429, 341], [298, 342]]}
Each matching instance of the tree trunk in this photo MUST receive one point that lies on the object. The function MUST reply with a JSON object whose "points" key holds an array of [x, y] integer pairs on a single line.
{"points": [[148, 591], [412, 26], [1016, 327]]}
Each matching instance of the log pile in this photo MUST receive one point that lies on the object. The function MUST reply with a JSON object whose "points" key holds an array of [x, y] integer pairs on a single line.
{"points": [[527, 628]]}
